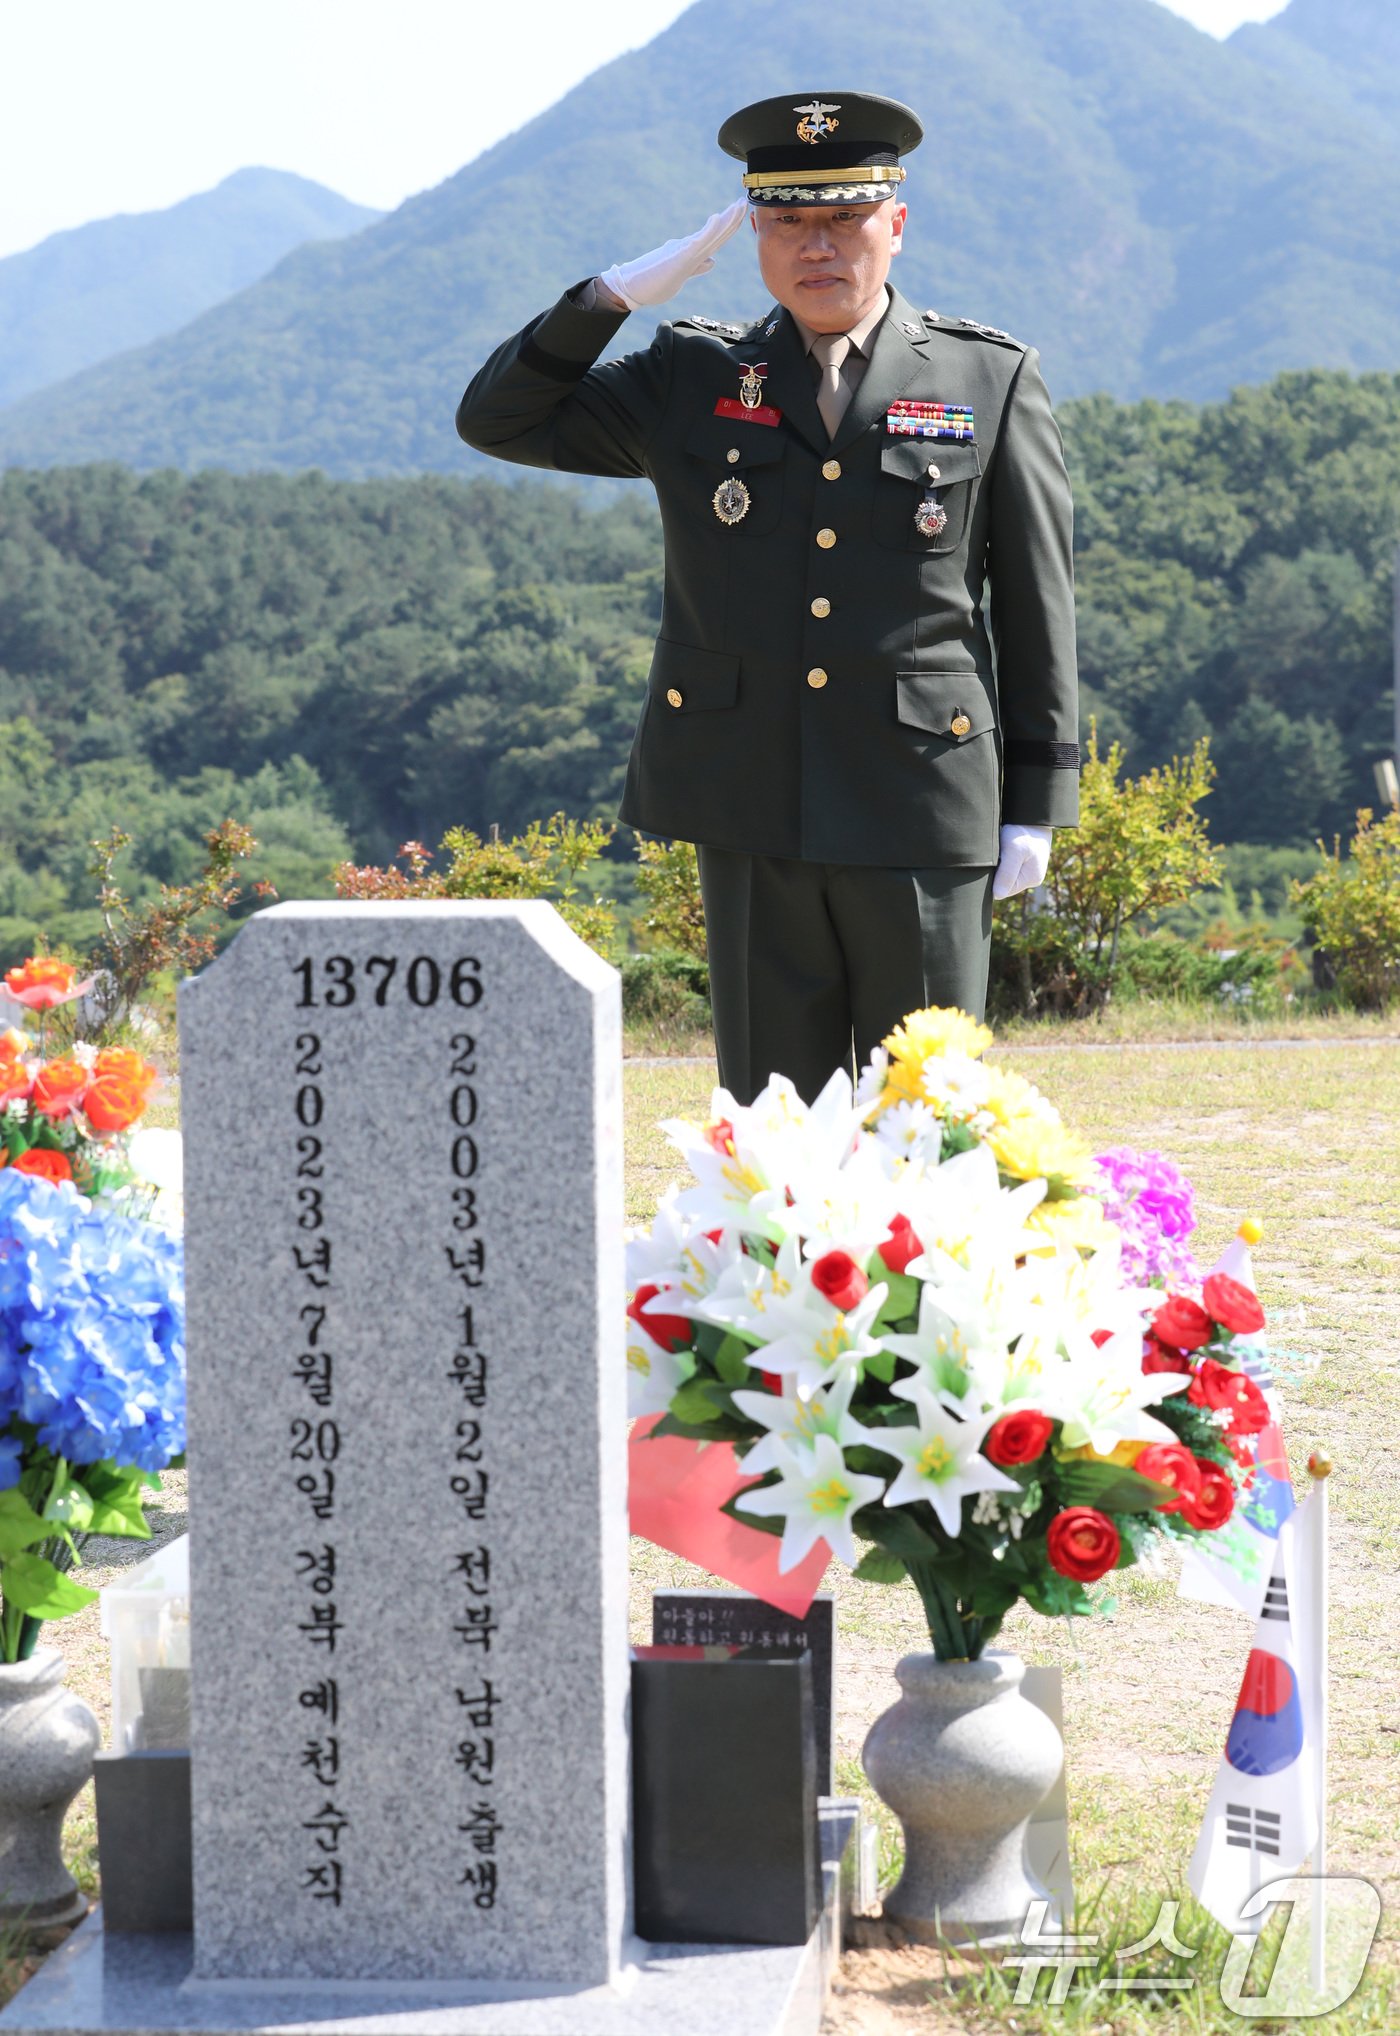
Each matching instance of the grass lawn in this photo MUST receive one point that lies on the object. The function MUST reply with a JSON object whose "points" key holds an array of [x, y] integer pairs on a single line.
{"points": [[1306, 1137]]}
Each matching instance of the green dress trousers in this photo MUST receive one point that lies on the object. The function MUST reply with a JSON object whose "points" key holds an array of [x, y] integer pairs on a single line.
{"points": [[810, 961]]}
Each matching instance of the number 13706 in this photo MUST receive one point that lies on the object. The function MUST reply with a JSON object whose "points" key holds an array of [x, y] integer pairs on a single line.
{"points": [[423, 981]]}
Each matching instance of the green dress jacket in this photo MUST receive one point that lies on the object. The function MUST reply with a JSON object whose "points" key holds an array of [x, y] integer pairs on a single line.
{"points": [[827, 683]]}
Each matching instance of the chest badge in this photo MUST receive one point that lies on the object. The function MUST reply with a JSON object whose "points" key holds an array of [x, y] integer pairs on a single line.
{"points": [[731, 500], [930, 518], [751, 384]]}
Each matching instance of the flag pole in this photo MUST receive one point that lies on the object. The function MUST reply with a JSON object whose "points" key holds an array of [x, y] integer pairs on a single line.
{"points": [[1320, 1469]]}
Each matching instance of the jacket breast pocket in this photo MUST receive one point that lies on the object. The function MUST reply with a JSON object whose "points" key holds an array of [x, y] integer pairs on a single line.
{"points": [[685, 680], [924, 494], [736, 476]]}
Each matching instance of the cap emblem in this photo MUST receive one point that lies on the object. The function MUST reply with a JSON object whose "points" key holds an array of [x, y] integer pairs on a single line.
{"points": [[815, 123]]}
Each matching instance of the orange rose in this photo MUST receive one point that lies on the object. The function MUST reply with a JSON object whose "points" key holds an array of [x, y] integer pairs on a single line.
{"points": [[113, 1103], [44, 1164], [14, 1075], [40, 983], [58, 1087], [127, 1066]]}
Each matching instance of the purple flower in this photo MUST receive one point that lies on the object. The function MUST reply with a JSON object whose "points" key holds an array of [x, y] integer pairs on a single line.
{"points": [[1150, 1201]]}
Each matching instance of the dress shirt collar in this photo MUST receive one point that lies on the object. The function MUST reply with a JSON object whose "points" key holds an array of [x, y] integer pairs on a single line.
{"points": [[860, 335]]}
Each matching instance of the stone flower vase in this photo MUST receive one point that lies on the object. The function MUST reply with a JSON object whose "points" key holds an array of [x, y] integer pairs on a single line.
{"points": [[963, 1759], [47, 1740]]}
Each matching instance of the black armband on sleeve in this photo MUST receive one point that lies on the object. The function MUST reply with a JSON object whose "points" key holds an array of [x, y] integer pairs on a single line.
{"points": [[1055, 756]]}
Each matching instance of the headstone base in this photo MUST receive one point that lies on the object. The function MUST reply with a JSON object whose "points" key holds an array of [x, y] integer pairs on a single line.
{"points": [[109, 1985]]}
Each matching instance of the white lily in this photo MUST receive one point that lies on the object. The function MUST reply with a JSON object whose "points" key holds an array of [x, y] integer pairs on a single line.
{"points": [[766, 1150], [966, 1327], [802, 1334], [795, 1422], [844, 1209], [1102, 1398], [961, 1207], [942, 1460], [654, 1374], [815, 1499]]}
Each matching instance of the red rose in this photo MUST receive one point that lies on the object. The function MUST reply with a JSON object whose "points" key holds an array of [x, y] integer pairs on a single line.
{"points": [[1156, 1357], [1099, 1337], [838, 1278], [1212, 1505], [1232, 1392], [1234, 1307], [773, 1380], [44, 1164], [672, 1332], [1018, 1437], [1171, 1463], [1183, 1324], [1082, 1543], [901, 1246]]}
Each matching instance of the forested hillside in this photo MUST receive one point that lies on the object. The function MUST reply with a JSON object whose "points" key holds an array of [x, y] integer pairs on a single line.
{"points": [[1162, 214], [346, 665]]}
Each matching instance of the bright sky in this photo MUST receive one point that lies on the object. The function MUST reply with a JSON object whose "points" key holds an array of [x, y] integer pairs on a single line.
{"points": [[128, 105]]}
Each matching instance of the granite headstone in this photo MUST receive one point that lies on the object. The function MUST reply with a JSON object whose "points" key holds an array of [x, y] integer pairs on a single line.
{"points": [[407, 1438]]}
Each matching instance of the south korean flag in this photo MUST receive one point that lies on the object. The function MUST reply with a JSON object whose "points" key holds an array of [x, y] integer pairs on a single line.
{"points": [[1264, 1816]]}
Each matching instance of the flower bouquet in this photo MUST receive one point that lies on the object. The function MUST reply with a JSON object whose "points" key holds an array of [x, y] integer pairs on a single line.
{"points": [[91, 1311], [926, 1319]]}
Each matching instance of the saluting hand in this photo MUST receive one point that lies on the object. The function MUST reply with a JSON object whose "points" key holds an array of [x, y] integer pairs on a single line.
{"points": [[655, 277], [1025, 857]]}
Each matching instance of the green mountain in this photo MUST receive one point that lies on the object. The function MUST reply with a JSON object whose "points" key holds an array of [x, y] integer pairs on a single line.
{"points": [[1159, 212], [79, 297]]}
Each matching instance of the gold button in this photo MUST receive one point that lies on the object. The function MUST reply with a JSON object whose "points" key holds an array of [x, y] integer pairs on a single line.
{"points": [[961, 724], [677, 699], [821, 606], [732, 454], [826, 538], [831, 470], [935, 473], [816, 678]]}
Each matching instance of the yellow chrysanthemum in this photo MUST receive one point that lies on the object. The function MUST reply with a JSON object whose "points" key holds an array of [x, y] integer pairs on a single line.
{"points": [[1011, 1097], [1080, 1223], [1034, 1148], [924, 1034], [1124, 1453]]}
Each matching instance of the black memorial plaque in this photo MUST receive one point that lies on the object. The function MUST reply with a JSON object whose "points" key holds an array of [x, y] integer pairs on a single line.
{"points": [[733, 1619]]}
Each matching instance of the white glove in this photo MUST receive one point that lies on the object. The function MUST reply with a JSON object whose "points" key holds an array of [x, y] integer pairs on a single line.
{"points": [[1025, 857], [654, 278]]}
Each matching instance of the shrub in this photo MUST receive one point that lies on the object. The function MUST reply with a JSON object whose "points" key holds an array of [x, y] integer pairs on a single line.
{"points": [[667, 990], [1352, 907], [668, 877], [546, 861], [1140, 848]]}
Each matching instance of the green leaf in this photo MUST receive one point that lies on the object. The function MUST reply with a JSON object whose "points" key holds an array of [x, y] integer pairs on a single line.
{"points": [[766, 1523], [731, 1360], [1110, 1487], [878, 1566], [20, 1526], [693, 1404], [880, 1366], [32, 1585], [70, 1509], [902, 1300]]}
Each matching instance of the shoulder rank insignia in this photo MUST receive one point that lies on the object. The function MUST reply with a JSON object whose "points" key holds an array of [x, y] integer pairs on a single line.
{"points": [[994, 332]]}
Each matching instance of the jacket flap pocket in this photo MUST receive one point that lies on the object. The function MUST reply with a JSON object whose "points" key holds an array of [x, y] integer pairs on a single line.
{"points": [[712, 439], [689, 681], [954, 705], [911, 459]]}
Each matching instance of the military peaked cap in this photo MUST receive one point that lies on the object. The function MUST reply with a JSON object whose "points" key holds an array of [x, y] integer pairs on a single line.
{"points": [[831, 148]]}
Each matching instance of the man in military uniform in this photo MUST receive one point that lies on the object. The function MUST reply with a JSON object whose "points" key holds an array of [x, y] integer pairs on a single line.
{"points": [[825, 718]]}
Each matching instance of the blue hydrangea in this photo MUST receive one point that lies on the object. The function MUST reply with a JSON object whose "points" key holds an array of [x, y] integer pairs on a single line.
{"points": [[92, 1329]]}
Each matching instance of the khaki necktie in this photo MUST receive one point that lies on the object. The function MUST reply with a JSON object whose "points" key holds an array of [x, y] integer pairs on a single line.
{"points": [[830, 350]]}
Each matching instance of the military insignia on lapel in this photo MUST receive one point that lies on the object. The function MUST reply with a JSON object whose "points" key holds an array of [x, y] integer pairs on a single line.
{"points": [[930, 420], [731, 500]]}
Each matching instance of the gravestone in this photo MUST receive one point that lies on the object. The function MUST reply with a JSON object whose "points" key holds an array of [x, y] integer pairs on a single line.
{"points": [[705, 1618], [407, 1445]]}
